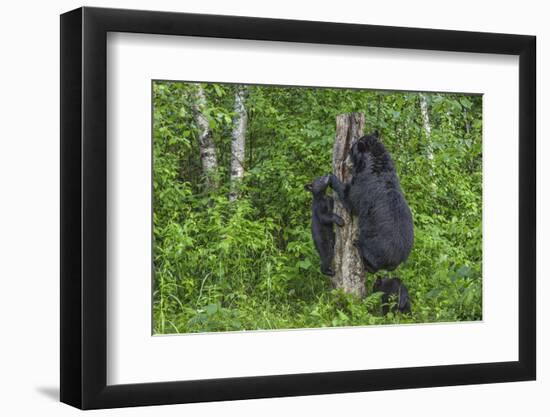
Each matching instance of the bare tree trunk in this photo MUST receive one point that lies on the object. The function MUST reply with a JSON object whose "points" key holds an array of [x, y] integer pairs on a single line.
{"points": [[206, 143], [349, 273], [238, 142], [424, 111]]}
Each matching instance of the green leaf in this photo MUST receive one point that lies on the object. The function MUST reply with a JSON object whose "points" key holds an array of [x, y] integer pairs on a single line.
{"points": [[211, 309], [342, 316], [463, 271], [304, 264], [218, 90], [465, 102]]}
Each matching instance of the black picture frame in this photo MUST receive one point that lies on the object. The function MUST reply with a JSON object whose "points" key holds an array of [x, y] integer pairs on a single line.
{"points": [[84, 207]]}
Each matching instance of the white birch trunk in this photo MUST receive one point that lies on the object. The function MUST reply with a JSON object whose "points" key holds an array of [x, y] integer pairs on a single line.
{"points": [[424, 111], [206, 144], [238, 142], [349, 273]]}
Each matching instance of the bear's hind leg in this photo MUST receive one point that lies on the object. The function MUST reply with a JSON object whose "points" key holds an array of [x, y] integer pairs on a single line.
{"points": [[326, 254], [369, 261], [326, 268]]}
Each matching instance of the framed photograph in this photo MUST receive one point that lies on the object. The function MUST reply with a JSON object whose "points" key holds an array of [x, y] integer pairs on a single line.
{"points": [[258, 208]]}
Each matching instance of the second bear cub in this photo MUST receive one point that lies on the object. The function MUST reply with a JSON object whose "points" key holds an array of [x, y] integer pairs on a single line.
{"points": [[322, 218], [393, 287]]}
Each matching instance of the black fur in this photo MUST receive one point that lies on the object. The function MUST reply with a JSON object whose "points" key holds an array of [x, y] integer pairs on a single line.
{"points": [[393, 287], [374, 195], [322, 218]]}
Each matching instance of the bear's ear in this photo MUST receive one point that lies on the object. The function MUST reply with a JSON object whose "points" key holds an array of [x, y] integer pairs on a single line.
{"points": [[376, 134], [308, 187], [361, 146]]}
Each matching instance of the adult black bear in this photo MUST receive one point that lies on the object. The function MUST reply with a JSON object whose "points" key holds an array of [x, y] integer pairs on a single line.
{"points": [[322, 218], [393, 287], [374, 195]]}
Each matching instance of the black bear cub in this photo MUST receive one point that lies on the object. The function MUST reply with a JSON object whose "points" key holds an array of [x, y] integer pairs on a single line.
{"points": [[393, 287], [322, 218], [374, 195]]}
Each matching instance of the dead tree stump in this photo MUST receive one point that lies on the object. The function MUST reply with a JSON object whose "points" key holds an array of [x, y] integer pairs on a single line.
{"points": [[349, 273]]}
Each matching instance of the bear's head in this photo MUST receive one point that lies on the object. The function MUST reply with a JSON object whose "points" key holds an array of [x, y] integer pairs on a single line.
{"points": [[378, 284], [369, 146], [318, 185]]}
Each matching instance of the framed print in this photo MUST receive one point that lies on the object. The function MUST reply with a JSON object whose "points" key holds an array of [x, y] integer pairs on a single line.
{"points": [[257, 208]]}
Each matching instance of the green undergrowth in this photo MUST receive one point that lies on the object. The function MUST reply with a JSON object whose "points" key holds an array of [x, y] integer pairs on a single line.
{"points": [[251, 264]]}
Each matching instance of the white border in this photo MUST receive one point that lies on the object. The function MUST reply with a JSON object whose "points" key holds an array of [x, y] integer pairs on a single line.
{"points": [[134, 356]]}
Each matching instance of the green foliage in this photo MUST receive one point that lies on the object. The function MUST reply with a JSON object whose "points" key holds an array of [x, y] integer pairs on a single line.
{"points": [[251, 264]]}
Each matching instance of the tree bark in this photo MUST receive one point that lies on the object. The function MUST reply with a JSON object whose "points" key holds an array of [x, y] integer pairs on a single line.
{"points": [[424, 111], [349, 273], [238, 142], [207, 147]]}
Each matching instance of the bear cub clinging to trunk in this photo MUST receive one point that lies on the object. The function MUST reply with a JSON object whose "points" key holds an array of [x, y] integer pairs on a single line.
{"points": [[322, 218]]}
